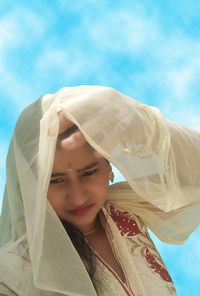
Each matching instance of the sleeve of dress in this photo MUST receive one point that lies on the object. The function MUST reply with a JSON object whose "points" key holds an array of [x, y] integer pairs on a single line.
{"points": [[160, 159]]}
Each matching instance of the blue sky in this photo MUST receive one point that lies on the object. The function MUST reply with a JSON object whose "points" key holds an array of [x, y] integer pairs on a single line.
{"points": [[149, 50]]}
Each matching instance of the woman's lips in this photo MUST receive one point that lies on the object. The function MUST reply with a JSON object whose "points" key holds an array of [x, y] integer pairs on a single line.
{"points": [[81, 211]]}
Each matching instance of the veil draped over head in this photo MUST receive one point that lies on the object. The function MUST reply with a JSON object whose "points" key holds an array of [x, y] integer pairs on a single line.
{"points": [[159, 159]]}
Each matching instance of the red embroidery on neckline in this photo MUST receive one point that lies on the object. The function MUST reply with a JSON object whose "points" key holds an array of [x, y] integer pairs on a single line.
{"points": [[157, 267], [126, 225]]}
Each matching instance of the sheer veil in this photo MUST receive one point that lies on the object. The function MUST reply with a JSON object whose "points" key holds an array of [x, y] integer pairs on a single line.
{"points": [[160, 160]]}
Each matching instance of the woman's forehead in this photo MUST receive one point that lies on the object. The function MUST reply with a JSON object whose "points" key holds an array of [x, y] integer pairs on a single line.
{"points": [[78, 158]]}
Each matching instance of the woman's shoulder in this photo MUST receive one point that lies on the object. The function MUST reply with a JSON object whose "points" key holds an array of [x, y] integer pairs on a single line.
{"points": [[16, 277], [124, 218], [6, 291]]}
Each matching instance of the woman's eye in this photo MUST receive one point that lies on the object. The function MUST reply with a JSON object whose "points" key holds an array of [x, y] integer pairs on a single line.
{"points": [[56, 181], [88, 173]]}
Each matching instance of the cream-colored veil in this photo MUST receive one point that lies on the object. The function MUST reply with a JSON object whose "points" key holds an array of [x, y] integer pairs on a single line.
{"points": [[159, 159]]}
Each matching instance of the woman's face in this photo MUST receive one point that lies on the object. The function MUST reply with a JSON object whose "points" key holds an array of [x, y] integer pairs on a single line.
{"points": [[79, 186]]}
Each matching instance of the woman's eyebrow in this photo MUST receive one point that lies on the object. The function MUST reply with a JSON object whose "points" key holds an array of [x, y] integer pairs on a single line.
{"points": [[67, 132], [88, 167], [92, 165], [57, 175]]}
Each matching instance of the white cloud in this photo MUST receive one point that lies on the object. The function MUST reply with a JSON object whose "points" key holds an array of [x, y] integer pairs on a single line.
{"points": [[19, 26], [17, 90], [181, 67], [170, 63], [8, 32], [71, 64], [190, 257], [185, 114], [122, 31], [64, 61], [20, 29], [85, 7], [171, 79]]}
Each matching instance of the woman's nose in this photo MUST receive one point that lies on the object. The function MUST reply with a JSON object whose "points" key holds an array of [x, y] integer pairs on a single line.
{"points": [[77, 195]]}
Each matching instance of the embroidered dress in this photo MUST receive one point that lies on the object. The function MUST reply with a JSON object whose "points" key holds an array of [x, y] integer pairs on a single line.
{"points": [[141, 263]]}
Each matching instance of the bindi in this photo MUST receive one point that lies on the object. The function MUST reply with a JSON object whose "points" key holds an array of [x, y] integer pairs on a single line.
{"points": [[69, 165]]}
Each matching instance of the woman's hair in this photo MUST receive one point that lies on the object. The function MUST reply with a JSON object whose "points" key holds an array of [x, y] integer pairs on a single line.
{"points": [[81, 247]]}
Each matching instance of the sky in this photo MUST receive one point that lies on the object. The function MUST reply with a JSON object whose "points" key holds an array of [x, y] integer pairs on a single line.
{"points": [[149, 50]]}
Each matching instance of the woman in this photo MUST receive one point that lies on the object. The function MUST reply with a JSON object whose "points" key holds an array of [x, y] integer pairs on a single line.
{"points": [[64, 231]]}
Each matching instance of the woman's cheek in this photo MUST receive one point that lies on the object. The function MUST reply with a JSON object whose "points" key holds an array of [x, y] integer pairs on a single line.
{"points": [[56, 200], [100, 181], [54, 193]]}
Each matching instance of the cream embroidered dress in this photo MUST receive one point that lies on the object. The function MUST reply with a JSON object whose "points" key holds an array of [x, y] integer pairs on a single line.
{"points": [[143, 267], [160, 161]]}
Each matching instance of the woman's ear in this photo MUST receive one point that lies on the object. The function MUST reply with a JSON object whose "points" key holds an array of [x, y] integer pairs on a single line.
{"points": [[110, 171]]}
